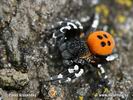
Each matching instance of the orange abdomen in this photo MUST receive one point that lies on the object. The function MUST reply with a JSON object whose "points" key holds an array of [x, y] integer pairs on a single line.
{"points": [[100, 43]]}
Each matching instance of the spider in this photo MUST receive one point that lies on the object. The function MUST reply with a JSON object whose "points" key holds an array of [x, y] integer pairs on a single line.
{"points": [[80, 50]]}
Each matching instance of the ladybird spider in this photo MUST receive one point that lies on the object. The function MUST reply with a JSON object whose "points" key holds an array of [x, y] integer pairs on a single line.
{"points": [[80, 49]]}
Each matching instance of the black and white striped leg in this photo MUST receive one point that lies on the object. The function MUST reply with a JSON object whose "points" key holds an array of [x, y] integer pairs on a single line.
{"points": [[68, 75], [111, 57], [103, 77], [74, 75], [94, 24], [64, 28], [70, 24], [67, 24], [102, 71]]}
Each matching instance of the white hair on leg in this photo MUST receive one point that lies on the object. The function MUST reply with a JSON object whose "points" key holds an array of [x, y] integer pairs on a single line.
{"points": [[63, 28], [112, 57], [71, 24], [96, 21], [68, 79], [101, 68], [71, 70], [76, 67], [60, 76], [79, 73]]}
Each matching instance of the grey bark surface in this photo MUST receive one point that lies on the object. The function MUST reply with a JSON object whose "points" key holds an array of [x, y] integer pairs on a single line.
{"points": [[27, 57]]}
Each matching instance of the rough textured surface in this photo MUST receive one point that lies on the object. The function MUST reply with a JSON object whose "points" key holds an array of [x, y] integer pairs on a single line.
{"points": [[9, 78], [27, 57]]}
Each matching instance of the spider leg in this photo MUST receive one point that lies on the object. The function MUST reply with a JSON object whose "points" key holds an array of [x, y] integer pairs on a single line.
{"points": [[69, 74], [68, 29], [70, 25], [103, 77], [77, 23], [94, 24], [111, 57], [75, 75], [65, 73], [102, 71], [74, 72], [65, 30], [64, 26]]}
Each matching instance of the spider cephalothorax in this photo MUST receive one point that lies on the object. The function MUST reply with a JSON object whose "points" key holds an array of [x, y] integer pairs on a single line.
{"points": [[82, 49]]}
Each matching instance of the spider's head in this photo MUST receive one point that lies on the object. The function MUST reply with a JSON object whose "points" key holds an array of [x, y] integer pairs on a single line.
{"points": [[100, 43]]}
